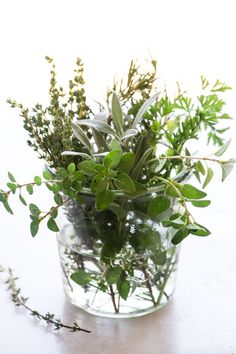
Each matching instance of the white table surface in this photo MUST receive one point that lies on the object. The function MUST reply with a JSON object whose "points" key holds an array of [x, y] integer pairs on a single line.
{"points": [[201, 319]]}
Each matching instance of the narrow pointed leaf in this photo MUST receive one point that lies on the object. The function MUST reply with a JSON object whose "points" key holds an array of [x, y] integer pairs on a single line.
{"points": [[34, 227], [97, 124], [81, 136], [209, 177], [144, 108], [226, 168], [129, 133], [99, 140], [138, 168], [117, 114], [223, 149], [75, 153], [11, 177]]}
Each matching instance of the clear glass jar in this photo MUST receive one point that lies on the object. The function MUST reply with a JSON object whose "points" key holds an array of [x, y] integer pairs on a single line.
{"points": [[117, 262]]}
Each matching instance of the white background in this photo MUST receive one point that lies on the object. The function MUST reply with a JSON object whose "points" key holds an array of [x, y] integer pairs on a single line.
{"points": [[188, 38]]}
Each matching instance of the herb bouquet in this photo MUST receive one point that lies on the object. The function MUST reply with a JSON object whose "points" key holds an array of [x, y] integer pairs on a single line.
{"points": [[122, 177]]}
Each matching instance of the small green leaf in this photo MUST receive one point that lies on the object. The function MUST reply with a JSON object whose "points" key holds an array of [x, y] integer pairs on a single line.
{"points": [[126, 162], [71, 168], [104, 199], [140, 189], [113, 275], [55, 187], [174, 189], [209, 177], [199, 230], [175, 225], [22, 199], [192, 192], [12, 186], [200, 203], [52, 225], [117, 210], [180, 235], [158, 205], [11, 177], [160, 258], [34, 227], [47, 175], [117, 114], [112, 159], [34, 209], [29, 189], [102, 186], [95, 181], [37, 180], [58, 199], [87, 167], [81, 277], [222, 149], [54, 213], [200, 168], [3, 198], [123, 289], [79, 176], [115, 145], [7, 207], [62, 172], [124, 183]]}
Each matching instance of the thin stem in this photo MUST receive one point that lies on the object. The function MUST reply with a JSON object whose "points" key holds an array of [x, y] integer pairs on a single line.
{"points": [[54, 208], [188, 215], [19, 300], [180, 157], [149, 287], [113, 299], [166, 277]]}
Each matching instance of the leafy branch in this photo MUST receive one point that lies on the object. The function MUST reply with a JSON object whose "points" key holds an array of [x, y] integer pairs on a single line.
{"points": [[20, 300]]}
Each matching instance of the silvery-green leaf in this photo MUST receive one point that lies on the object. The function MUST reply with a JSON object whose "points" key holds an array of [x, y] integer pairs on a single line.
{"points": [[101, 154], [75, 153], [81, 136], [144, 108], [117, 114], [99, 140], [129, 133], [97, 124], [209, 177], [223, 148], [137, 169], [226, 167]]}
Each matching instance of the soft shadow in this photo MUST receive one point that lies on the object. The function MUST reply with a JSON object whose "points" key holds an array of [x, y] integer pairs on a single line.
{"points": [[153, 333]]}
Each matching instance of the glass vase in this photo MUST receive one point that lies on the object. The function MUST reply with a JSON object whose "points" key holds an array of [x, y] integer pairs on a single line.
{"points": [[119, 262]]}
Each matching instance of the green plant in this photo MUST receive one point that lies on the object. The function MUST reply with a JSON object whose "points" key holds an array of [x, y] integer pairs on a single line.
{"points": [[134, 148], [20, 300]]}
